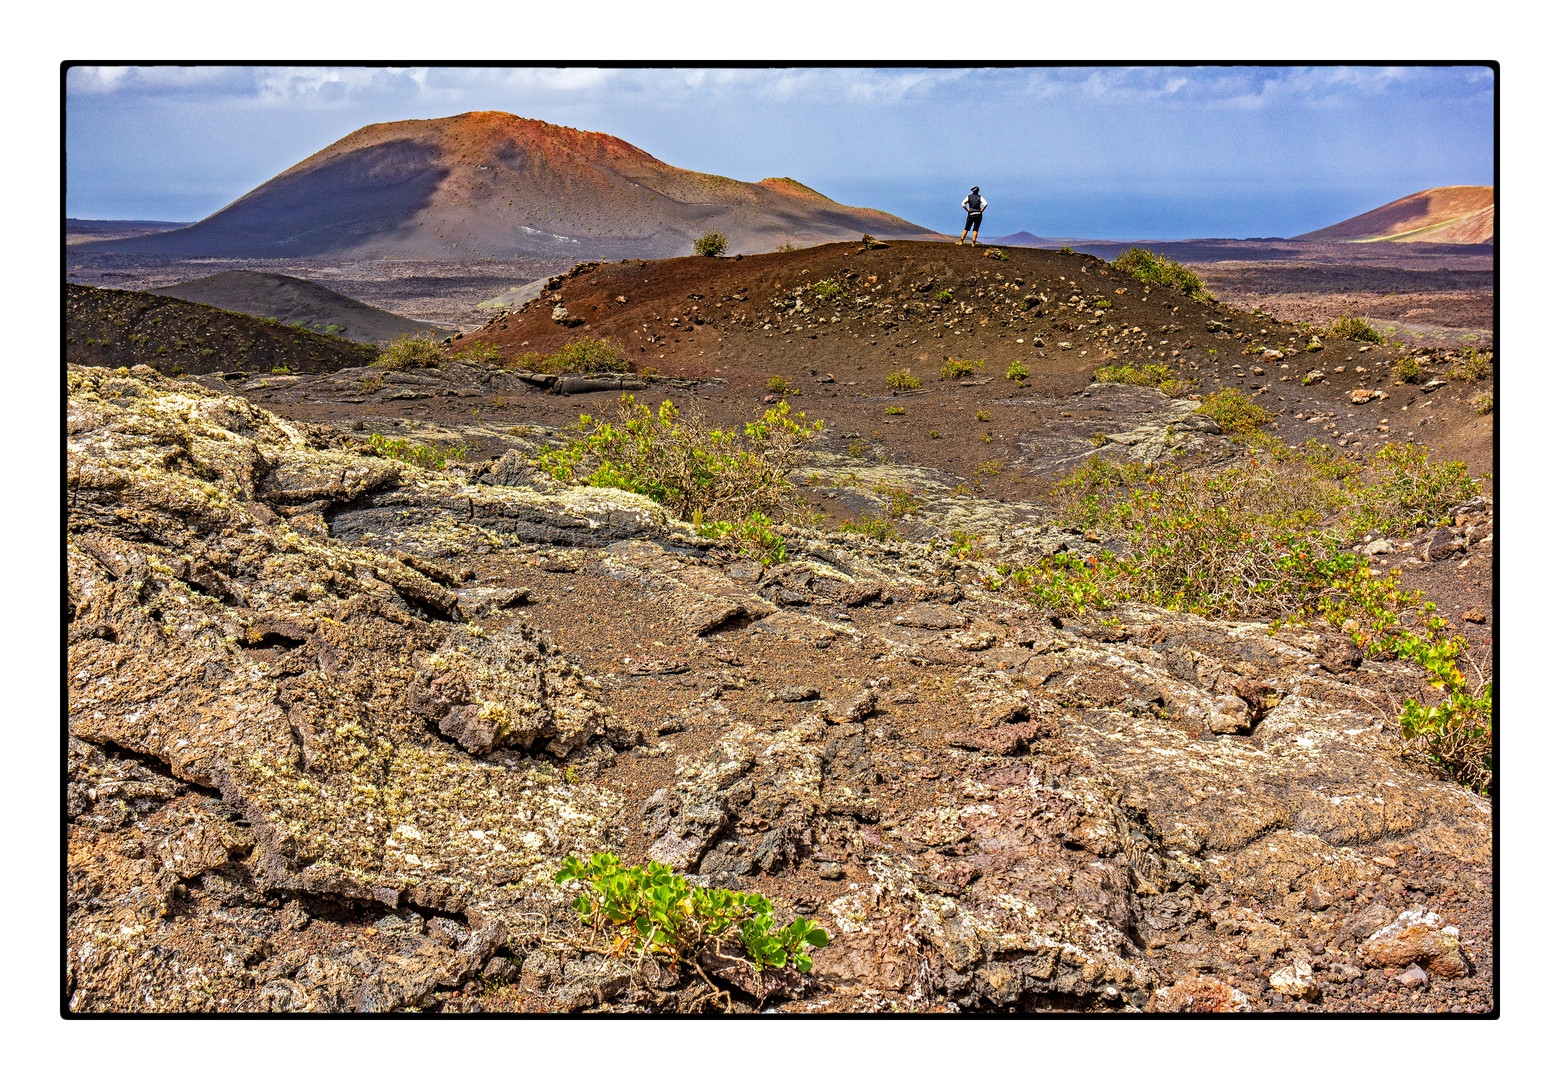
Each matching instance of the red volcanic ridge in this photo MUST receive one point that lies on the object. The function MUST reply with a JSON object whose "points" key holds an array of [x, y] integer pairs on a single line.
{"points": [[1443, 215], [490, 183]]}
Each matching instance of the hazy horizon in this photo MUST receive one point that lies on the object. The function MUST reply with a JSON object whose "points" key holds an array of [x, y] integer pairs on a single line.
{"points": [[1156, 153]]}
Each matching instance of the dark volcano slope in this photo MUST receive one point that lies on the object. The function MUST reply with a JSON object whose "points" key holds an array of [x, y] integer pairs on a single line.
{"points": [[298, 302], [118, 328]]}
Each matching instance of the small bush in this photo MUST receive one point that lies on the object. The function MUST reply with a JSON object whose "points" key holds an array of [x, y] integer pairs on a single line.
{"points": [[982, 416], [1407, 368], [754, 537], [1354, 328], [700, 473], [1104, 305], [960, 369], [789, 246], [479, 353], [902, 380], [1017, 372], [778, 385], [896, 410], [1158, 270], [436, 458], [1470, 366], [1148, 375], [711, 244], [410, 352], [880, 529], [827, 289], [1484, 404], [934, 434], [585, 356], [657, 912], [1236, 413], [943, 296]]}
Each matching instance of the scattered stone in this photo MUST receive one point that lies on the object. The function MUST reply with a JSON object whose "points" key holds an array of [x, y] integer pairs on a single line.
{"points": [[1295, 980], [1417, 936], [796, 693], [830, 871], [1414, 978], [1197, 994], [1473, 615]]}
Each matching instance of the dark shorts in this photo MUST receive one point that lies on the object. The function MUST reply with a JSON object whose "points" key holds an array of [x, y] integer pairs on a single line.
{"points": [[972, 222]]}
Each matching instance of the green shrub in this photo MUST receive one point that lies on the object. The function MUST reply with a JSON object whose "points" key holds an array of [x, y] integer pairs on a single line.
{"points": [[1484, 404], [880, 529], [479, 353], [1407, 368], [585, 356], [827, 289], [778, 385], [711, 244], [1470, 366], [654, 911], [1017, 371], [1158, 270], [960, 369], [1148, 375], [1236, 413], [1355, 329], [1104, 305], [902, 380], [410, 352], [982, 416], [437, 458], [754, 537], [896, 410], [943, 296], [1406, 491], [700, 473]]}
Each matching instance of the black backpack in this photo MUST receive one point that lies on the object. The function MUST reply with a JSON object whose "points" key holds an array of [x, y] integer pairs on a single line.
{"points": [[973, 201]]}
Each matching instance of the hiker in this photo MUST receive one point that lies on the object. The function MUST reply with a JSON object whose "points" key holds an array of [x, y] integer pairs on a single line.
{"points": [[974, 205]]}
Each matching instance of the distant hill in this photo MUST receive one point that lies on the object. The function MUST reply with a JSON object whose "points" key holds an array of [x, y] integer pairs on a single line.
{"points": [[1444, 215], [493, 184], [83, 230], [121, 328], [298, 302]]}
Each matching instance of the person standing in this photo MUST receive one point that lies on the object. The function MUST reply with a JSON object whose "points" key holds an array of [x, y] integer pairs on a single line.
{"points": [[974, 205]]}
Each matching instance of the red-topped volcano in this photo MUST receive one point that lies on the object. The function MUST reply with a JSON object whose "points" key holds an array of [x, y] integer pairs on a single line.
{"points": [[490, 183]]}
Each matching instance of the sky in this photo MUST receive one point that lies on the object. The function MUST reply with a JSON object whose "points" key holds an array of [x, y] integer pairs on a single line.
{"points": [[1159, 152]]}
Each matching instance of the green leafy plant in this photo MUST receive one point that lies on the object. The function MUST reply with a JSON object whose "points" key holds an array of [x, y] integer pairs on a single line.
{"points": [[1470, 366], [437, 458], [1104, 305], [1484, 404], [982, 416], [826, 289], [651, 911], [1236, 413], [1158, 270], [896, 410], [934, 434], [960, 369], [700, 473], [1017, 372], [584, 356], [943, 296], [902, 380], [710, 244], [1355, 329], [1407, 368], [778, 385], [477, 353], [754, 537], [410, 352], [1158, 375]]}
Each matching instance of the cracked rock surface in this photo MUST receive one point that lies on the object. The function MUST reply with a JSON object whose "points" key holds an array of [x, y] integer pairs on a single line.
{"points": [[335, 720]]}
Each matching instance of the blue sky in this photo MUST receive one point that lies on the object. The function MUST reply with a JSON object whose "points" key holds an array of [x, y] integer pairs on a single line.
{"points": [[1149, 153]]}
